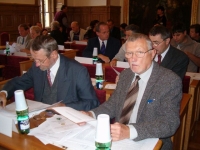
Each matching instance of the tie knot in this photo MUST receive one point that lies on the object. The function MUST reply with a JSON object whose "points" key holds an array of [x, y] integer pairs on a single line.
{"points": [[137, 78]]}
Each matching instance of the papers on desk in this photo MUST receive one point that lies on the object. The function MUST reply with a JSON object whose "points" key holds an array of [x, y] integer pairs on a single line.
{"points": [[193, 75], [34, 108], [68, 49], [110, 86], [61, 132]]}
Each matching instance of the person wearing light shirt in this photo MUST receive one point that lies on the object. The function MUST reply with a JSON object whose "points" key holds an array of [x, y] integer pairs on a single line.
{"points": [[68, 80], [160, 92], [171, 57]]}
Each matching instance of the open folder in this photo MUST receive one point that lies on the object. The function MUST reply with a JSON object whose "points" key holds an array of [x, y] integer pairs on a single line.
{"points": [[73, 115]]}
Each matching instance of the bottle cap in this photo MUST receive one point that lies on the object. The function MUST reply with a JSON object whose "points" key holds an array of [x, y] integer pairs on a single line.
{"points": [[20, 101], [103, 129], [94, 52], [99, 70]]}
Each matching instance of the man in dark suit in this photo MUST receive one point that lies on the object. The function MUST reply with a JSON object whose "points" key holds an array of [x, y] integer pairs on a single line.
{"points": [[107, 46], [114, 31], [170, 57], [54, 78], [155, 111]]}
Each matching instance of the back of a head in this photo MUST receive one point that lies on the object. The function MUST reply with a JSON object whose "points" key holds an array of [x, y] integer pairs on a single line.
{"points": [[179, 27], [47, 43], [93, 23], [55, 25], [133, 28], [123, 25], [163, 31], [161, 8], [37, 29], [196, 27], [63, 7]]}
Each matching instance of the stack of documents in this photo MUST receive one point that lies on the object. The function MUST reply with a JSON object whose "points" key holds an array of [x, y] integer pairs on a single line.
{"points": [[62, 132]]}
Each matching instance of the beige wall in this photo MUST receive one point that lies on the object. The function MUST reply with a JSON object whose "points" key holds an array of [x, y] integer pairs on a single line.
{"points": [[198, 21], [115, 2], [18, 1], [86, 2]]}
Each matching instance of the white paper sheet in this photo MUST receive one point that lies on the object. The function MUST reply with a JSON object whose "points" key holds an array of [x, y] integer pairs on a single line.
{"points": [[84, 60], [73, 115], [110, 86]]}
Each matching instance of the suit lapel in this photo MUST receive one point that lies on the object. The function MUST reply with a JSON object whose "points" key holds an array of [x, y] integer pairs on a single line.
{"points": [[167, 57], [149, 87], [63, 79]]}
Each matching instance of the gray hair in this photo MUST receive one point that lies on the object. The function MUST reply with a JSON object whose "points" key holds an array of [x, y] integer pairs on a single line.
{"points": [[55, 25], [47, 43], [36, 29], [137, 36]]}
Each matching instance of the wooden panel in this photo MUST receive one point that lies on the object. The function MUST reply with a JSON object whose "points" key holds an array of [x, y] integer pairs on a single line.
{"points": [[84, 15], [17, 14]]}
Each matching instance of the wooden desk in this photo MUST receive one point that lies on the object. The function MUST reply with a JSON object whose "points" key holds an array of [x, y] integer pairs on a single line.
{"points": [[2, 47]]}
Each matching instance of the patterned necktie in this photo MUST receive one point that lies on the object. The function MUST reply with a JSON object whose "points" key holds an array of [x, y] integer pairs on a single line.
{"points": [[22, 40], [159, 59], [103, 48], [49, 77], [130, 102]]}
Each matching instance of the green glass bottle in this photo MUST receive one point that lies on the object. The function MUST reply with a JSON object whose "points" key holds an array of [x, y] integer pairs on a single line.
{"points": [[94, 56], [7, 48], [23, 121], [103, 146], [99, 81]]}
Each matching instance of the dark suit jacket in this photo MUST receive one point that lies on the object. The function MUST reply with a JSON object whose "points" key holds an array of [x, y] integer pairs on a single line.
{"points": [[176, 61], [58, 36], [159, 119], [74, 84], [115, 32], [112, 47]]}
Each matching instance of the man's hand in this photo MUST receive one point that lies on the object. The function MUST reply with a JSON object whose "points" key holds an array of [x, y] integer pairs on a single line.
{"points": [[104, 58], [119, 131], [3, 99], [113, 62], [86, 113]]}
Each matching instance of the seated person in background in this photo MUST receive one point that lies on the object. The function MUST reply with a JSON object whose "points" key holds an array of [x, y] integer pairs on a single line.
{"points": [[190, 47], [160, 18], [107, 46], [114, 31], [54, 77], [34, 32], [167, 55], [45, 32], [91, 32], [195, 32], [39, 24], [120, 56], [122, 30], [76, 34], [146, 101], [24, 37], [56, 33]]}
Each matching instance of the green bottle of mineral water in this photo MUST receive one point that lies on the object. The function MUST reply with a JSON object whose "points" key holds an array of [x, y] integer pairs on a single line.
{"points": [[23, 121]]}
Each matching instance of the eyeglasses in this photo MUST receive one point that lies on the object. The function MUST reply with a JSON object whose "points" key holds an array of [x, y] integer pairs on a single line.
{"points": [[139, 54], [157, 43], [40, 62]]}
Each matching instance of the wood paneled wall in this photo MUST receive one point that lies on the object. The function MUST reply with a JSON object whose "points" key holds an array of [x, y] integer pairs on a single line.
{"points": [[11, 15], [88, 13]]}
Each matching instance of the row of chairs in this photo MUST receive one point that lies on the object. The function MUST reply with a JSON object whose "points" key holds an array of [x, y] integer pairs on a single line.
{"points": [[4, 37]]}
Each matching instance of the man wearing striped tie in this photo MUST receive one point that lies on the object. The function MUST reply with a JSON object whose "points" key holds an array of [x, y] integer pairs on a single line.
{"points": [[147, 98]]}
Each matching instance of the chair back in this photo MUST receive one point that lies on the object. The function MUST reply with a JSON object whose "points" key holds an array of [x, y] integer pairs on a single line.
{"points": [[91, 69], [4, 37], [101, 95], [110, 74], [186, 84], [70, 54], [80, 48]]}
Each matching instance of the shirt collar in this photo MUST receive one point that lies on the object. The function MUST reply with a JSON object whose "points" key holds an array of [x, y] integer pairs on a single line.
{"points": [[55, 67], [163, 54]]}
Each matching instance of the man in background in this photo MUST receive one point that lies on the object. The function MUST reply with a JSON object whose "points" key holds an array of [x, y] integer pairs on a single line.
{"points": [[184, 43], [167, 55], [77, 33], [195, 32], [114, 31], [61, 17], [24, 37], [107, 46], [160, 18]]}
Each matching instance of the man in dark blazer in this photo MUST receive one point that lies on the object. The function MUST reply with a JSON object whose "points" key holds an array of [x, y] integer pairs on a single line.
{"points": [[156, 110], [112, 45], [68, 80], [114, 31], [171, 57]]}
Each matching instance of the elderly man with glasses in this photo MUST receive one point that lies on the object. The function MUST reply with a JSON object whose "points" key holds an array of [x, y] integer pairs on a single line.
{"points": [[167, 55], [54, 78], [146, 101]]}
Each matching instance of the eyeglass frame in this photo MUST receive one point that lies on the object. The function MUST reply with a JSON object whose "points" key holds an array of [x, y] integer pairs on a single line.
{"points": [[40, 62], [158, 43], [136, 53]]}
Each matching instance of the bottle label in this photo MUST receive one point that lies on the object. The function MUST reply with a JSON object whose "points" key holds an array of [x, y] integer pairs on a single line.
{"points": [[99, 81], [23, 124], [95, 59]]}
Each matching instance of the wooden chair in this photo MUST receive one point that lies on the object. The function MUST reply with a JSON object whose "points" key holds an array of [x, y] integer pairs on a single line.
{"points": [[186, 84], [2, 83], [25, 65], [70, 54], [4, 37], [101, 95], [178, 137], [193, 111]]}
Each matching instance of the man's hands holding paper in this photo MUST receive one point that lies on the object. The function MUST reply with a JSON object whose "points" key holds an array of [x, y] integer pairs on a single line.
{"points": [[3, 99]]}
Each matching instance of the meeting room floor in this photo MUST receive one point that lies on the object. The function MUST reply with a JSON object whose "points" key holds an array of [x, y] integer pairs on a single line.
{"points": [[194, 143]]}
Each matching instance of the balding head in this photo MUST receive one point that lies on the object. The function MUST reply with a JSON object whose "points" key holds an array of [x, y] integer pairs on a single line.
{"points": [[75, 26]]}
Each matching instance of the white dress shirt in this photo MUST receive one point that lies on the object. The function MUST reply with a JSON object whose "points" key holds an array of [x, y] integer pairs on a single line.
{"points": [[100, 41], [54, 69]]}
